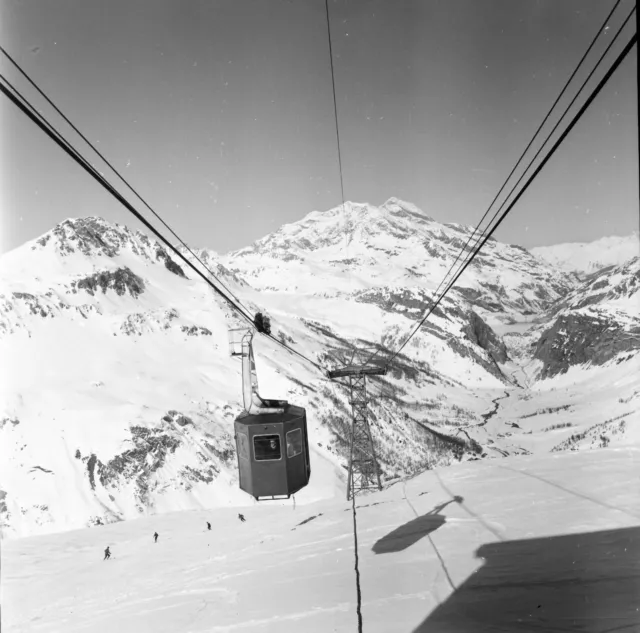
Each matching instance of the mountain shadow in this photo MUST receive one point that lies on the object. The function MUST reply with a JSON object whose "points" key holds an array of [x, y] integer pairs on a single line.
{"points": [[409, 533], [577, 582]]}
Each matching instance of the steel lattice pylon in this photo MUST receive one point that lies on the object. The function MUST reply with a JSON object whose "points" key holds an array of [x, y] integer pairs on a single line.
{"points": [[364, 473]]}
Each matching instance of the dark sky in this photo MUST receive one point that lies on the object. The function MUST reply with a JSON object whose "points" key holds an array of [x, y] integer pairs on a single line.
{"points": [[220, 112]]}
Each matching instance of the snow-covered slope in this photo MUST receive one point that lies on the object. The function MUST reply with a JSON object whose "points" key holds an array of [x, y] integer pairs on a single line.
{"points": [[593, 324], [539, 543], [119, 392], [93, 422], [591, 256]]}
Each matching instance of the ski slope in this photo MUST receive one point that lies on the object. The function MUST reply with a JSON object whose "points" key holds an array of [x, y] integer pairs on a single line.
{"points": [[536, 543]]}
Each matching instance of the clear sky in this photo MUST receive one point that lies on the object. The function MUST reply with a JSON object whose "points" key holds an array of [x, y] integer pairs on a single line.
{"points": [[220, 112]]}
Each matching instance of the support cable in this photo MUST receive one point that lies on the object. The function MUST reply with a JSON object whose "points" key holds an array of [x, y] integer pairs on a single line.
{"points": [[335, 116], [356, 564], [571, 125], [555, 127], [353, 496], [533, 138], [115, 171], [335, 103], [464, 248], [41, 122], [23, 104]]}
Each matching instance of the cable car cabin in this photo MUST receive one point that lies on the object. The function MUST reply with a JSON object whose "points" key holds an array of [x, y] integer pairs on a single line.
{"points": [[271, 435], [273, 452]]}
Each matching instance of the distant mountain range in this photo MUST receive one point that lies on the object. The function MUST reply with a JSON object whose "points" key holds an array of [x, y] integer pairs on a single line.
{"points": [[120, 393], [592, 256]]}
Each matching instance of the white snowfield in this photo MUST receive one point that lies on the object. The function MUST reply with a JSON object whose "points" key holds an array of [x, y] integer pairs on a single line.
{"points": [[541, 543], [588, 257]]}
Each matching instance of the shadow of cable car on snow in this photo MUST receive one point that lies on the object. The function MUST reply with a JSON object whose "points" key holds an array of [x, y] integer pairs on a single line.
{"points": [[410, 533], [587, 583]]}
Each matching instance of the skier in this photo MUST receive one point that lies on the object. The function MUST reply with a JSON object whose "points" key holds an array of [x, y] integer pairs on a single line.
{"points": [[155, 537], [208, 525], [107, 553], [241, 517]]}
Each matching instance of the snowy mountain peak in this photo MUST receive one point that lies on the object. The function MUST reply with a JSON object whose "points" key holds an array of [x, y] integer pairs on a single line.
{"points": [[91, 236], [401, 207], [96, 237], [357, 224], [81, 245], [384, 250]]}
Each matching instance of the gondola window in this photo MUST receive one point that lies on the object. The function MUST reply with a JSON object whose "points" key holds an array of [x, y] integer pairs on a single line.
{"points": [[267, 447], [243, 446], [294, 442]]}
